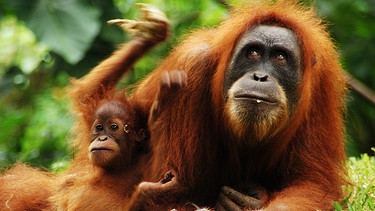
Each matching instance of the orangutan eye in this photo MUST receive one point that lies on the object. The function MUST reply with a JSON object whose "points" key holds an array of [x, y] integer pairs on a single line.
{"points": [[253, 54], [99, 127], [281, 57], [114, 127]]}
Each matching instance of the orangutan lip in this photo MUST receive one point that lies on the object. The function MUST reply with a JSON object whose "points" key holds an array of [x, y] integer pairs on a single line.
{"points": [[100, 149], [257, 98]]}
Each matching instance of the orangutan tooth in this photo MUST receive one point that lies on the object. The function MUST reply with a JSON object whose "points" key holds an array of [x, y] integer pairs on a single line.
{"points": [[259, 101]]}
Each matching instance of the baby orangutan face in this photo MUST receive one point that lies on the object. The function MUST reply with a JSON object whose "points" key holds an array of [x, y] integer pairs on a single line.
{"points": [[112, 139]]}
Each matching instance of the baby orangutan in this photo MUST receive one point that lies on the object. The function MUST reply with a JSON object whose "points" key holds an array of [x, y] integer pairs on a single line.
{"points": [[113, 140], [118, 152], [111, 134]]}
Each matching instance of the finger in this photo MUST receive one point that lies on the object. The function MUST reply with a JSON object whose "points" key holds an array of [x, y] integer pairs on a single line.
{"points": [[169, 184], [183, 78], [241, 199], [165, 80], [124, 23], [230, 192], [175, 78], [149, 187], [117, 21], [227, 203], [164, 88], [154, 111], [161, 96], [127, 25], [178, 78], [151, 13]]}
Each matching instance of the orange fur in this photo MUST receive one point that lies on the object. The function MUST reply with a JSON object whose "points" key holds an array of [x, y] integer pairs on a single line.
{"points": [[85, 186], [301, 165], [26, 188]]}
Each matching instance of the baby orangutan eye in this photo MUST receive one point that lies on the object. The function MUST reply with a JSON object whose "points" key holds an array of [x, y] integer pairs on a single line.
{"points": [[99, 127], [114, 127]]}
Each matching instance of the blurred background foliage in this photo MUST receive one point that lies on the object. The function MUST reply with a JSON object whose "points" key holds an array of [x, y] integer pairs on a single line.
{"points": [[43, 43]]}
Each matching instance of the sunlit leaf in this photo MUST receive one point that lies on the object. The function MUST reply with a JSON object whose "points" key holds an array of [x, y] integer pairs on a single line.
{"points": [[66, 27], [18, 47]]}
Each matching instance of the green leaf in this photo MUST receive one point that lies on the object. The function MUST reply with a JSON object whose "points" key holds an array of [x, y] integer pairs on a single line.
{"points": [[66, 27], [337, 206]]}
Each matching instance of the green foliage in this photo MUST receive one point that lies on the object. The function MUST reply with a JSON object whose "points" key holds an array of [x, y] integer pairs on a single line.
{"points": [[361, 192], [73, 26], [37, 133], [66, 27], [14, 37], [353, 28], [45, 136]]}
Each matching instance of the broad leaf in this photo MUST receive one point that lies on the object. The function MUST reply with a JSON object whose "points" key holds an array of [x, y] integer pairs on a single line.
{"points": [[66, 27]]}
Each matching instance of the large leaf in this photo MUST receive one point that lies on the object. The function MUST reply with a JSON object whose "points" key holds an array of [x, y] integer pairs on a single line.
{"points": [[67, 27]]}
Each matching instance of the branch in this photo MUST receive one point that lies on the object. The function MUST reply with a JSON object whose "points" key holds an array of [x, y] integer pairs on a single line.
{"points": [[360, 88]]}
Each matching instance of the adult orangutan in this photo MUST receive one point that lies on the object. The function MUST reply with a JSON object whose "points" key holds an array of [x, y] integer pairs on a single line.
{"points": [[263, 106]]}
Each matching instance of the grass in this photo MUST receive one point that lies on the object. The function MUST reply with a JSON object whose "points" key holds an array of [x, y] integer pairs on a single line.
{"points": [[361, 191]]}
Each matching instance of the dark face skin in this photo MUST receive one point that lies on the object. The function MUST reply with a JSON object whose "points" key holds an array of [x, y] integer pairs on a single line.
{"points": [[111, 144], [262, 80]]}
